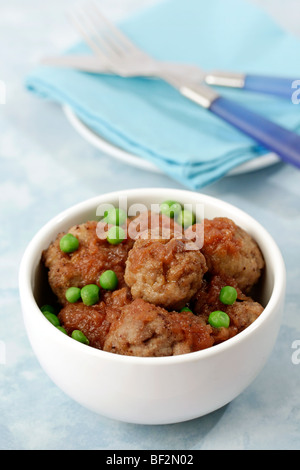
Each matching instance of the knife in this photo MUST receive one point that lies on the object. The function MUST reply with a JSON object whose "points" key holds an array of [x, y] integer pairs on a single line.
{"points": [[282, 87]]}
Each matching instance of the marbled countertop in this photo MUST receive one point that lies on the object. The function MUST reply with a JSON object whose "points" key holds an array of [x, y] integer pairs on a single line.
{"points": [[47, 167]]}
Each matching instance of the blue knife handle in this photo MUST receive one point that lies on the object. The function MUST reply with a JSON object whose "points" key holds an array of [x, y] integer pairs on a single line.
{"points": [[277, 86], [284, 143]]}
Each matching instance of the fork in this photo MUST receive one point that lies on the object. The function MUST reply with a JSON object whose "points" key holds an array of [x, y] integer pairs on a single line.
{"points": [[123, 58]]}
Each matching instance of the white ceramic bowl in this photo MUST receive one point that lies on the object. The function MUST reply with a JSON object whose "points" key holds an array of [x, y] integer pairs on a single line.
{"points": [[152, 390]]}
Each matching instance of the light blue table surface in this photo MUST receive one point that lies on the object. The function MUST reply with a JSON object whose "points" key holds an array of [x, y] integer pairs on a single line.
{"points": [[47, 167]]}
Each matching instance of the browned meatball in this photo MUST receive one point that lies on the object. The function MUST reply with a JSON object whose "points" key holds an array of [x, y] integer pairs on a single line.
{"points": [[149, 222], [146, 330], [88, 319], [242, 313], [230, 251], [115, 301], [94, 321], [206, 300], [84, 265], [163, 272]]}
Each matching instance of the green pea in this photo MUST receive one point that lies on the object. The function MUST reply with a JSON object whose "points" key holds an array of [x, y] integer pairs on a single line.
{"points": [[186, 218], [90, 294], [228, 295], [73, 294], [115, 216], [170, 208], [52, 318], [60, 328], [219, 319], [186, 309], [68, 243], [79, 336], [108, 280], [47, 308], [115, 235]]}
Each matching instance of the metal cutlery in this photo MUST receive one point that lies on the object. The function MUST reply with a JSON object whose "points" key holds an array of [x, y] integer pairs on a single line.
{"points": [[94, 64], [122, 57], [278, 86]]}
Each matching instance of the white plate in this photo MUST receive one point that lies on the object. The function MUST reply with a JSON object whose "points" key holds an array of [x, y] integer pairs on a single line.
{"points": [[116, 152]]}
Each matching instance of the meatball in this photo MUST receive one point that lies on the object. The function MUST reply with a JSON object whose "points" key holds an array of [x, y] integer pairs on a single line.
{"points": [[242, 313], [206, 300], [163, 272], [94, 321], [85, 265], [88, 319], [149, 222], [147, 330], [230, 251], [115, 301]]}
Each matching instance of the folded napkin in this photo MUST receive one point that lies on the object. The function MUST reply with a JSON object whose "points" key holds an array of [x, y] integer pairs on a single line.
{"points": [[150, 119]]}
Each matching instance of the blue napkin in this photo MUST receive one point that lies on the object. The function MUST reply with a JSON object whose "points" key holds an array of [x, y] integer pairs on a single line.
{"points": [[150, 119]]}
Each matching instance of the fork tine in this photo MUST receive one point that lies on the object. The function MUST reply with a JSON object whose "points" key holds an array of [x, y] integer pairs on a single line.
{"points": [[116, 34], [100, 32], [119, 54], [89, 39]]}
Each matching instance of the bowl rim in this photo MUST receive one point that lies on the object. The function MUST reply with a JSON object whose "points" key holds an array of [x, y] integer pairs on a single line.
{"points": [[28, 260]]}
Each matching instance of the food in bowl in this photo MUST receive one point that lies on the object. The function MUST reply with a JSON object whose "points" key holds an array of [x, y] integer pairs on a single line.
{"points": [[151, 390], [155, 284]]}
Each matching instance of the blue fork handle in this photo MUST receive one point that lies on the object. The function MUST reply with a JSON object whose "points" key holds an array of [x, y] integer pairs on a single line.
{"points": [[277, 86], [284, 143]]}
